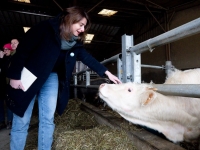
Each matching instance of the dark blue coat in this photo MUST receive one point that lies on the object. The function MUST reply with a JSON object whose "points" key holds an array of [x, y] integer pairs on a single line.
{"points": [[4, 64], [38, 52]]}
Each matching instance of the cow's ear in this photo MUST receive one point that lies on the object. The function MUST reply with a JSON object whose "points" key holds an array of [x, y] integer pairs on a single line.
{"points": [[148, 97]]}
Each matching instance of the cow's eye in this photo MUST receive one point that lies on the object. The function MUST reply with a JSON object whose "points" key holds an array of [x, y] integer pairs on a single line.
{"points": [[129, 90]]}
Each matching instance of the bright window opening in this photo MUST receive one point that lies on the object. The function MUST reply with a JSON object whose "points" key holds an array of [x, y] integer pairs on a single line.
{"points": [[89, 38], [26, 29], [24, 1], [107, 12]]}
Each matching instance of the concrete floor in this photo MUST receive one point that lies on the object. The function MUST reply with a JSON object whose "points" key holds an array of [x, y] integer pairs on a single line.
{"points": [[4, 139]]}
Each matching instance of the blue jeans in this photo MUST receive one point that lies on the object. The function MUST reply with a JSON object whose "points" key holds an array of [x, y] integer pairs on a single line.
{"points": [[47, 100]]}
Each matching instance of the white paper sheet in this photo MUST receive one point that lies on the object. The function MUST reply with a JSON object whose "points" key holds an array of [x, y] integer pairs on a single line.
{"points": [[27, 78]]}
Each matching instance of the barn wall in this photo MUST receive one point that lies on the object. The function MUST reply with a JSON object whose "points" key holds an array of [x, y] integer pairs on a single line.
{"points": [[185, 53]]}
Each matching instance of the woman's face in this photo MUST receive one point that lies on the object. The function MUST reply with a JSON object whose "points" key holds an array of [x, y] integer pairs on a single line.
{"points": [[14, 44], [6, 51], [78, 27]]}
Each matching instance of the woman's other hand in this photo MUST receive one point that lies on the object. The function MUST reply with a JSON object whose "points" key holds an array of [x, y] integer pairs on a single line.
{"points": [[112, 77], [16, 84], [1, 54]]}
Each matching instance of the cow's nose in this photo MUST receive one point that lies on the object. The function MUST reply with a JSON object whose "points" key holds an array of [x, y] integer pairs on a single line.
{"points": [[102, 85]]}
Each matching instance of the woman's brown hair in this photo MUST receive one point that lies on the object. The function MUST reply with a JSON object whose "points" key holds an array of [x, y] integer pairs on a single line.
{"points": [[70, 16]]}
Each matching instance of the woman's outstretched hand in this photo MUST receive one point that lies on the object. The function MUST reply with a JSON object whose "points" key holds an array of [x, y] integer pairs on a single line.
{"points": [[112, 77]]}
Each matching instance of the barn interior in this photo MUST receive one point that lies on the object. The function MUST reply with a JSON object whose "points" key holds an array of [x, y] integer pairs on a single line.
{"points": [[144, 19]]}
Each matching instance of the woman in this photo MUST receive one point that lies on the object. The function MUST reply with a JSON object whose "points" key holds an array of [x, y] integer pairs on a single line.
{"points": [[5, 59], [49, 50]]}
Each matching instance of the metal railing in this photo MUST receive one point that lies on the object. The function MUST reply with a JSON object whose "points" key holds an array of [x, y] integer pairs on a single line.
{"points": [[178, 33]]}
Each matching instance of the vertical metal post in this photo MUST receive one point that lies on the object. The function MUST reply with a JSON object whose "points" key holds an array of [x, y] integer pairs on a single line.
{"points": [[136, 66], [168, 68], [119, 69], [87, 78], [127, 42], [76, 70], [75, 89]]}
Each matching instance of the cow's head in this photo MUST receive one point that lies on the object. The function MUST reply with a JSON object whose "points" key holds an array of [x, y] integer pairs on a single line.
{"points": [[127, 96]]}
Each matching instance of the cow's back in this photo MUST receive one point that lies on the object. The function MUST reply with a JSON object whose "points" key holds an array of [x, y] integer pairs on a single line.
{"points": [[191, 76]]}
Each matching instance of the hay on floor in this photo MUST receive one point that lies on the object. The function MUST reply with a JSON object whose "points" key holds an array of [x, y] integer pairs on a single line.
{"points": [[78, 130], [98, 138]]}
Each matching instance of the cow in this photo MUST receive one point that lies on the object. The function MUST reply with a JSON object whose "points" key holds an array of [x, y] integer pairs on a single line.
{"points": [[176, 117], [189, 76]]}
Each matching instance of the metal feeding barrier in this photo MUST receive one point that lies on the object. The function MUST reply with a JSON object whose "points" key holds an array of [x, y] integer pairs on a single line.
{"points": [[129, 61]]}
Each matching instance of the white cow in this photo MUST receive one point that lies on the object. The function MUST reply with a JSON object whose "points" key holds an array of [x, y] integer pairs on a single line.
{"points": [[191, 76], [178, 118]]}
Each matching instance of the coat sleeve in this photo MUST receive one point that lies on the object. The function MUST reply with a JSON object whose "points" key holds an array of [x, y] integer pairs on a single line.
{"points": [[91, 62], [30, 41]]}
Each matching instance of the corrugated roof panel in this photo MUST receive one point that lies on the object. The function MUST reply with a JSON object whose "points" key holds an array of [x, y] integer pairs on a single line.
{"points": [[38, 19], [114, 30], [3, 30], [96, 27], [11, 18], [28, 20], [2, 19], [6, 17], [33, 19], [17, 18], [103, 29], [92, 26], [23, 19]]}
